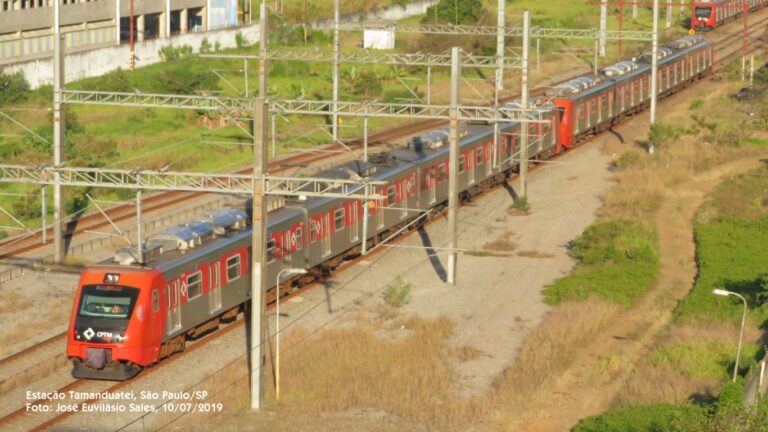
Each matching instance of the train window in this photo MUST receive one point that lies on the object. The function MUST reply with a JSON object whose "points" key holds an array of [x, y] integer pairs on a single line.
{"points": [[299, 236], [462, 162], [479, 156], [155, 300], [233, 268], [338, 219], [194, 285], [314, 231], [271, 250], [391, 195], [442, 172]]}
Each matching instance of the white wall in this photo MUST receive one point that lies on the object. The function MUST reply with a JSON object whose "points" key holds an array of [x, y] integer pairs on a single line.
{"points": [[100, 61]]}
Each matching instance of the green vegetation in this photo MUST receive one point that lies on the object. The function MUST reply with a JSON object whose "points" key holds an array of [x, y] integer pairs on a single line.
{"points": [[617, 261], [398, 293], [520, 204], [456, 11], [13, 88], [705, 359], [724, 415]]}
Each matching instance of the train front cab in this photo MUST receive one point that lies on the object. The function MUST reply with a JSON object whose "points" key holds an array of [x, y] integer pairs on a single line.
{"points": [[116, 324], [703, 16]]}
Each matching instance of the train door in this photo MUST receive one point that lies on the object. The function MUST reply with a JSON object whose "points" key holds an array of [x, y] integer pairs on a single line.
{"points": [[380, 206], [431, 184], [326, 234], [214, 283], [173, 320], [354, 217]]}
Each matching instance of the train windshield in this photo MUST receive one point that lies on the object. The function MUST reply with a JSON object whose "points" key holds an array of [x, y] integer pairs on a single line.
{"points": [[107, 301], [703, 12]]}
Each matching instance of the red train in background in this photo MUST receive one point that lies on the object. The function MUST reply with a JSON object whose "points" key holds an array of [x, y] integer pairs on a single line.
{"points": [[709, 14]]}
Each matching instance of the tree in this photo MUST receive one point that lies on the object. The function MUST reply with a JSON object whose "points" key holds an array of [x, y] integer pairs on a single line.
{"points": [[456, 11]]}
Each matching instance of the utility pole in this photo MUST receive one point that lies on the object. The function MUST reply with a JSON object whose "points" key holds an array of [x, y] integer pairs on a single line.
{"points": [[336, 57], [44, 212], [634, 10], [259, 224], [139, 248], [58, 135], [603, 26], [654, 65], [524, 105], [453, 166], [258, 253], [669, 14], [499, 77], [263, 41]]}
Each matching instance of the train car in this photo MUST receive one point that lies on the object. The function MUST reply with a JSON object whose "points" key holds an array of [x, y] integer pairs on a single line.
{"points": [[591, 104], [710, 14]]}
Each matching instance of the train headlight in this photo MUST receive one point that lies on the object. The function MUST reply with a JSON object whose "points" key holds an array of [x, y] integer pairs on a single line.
{"points": [[111, 278]]}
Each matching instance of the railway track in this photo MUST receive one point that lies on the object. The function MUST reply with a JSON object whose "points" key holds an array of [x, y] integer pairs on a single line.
{"points": [[24, 419]]}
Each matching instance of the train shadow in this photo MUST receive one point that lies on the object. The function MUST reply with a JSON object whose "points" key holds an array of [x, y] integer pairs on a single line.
{"points": [[432, 254]]}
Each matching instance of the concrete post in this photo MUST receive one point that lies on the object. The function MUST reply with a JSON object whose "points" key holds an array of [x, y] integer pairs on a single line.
{"points": [[258, 253], [184, 21], [59, 130], [139, 247], [603, 26], [634, 11], [140, 28], [524, 105], [453, 166], [44, 213], [336, 55], [500, 30], [654, 62], [117, 22], [669, 14], [263, 42], [167, 20]]}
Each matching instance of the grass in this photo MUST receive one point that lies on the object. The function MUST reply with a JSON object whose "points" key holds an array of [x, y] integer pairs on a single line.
{"points": [[617, 261], [501, 244], [730, 254], [356, 367], [705, 359]]}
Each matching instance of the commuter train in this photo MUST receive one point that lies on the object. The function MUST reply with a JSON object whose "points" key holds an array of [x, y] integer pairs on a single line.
{"points": [[709, 14], [127, 316]]}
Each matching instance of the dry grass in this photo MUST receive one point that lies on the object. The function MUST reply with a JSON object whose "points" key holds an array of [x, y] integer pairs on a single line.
{"points": [[651, 385], [548, 351], [465, 353], [535, 254], [355, 367], [13, 302], [502, 244]]}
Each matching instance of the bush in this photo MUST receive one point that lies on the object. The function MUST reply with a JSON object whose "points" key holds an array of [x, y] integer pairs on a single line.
{"points": [[13, 88], [617, 261], [662, 134], [205, 46], [398, 293], [170, 52], [456, 11], [240, 40], [184, 77], [648, 418]]}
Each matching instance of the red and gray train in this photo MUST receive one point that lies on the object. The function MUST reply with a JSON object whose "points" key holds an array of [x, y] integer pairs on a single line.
{"points": [[127, 316], [709, 14]]}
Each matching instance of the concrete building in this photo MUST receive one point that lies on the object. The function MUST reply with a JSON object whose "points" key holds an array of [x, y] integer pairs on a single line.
{"points": [[26, 26]]}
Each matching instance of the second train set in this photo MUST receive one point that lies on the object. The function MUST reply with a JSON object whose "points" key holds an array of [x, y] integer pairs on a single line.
{"points": [[127, 316]]}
